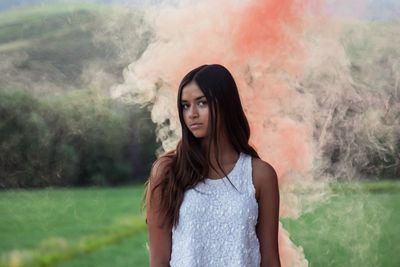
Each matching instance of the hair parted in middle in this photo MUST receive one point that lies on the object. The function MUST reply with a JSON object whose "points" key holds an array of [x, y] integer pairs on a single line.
{"points": [[189, 163]]}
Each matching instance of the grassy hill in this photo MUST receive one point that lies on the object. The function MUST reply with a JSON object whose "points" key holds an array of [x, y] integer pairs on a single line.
{"points": [[56, 47]]}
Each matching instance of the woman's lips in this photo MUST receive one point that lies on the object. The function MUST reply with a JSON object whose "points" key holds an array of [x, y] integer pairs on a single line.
{"points": [[195, 126]]}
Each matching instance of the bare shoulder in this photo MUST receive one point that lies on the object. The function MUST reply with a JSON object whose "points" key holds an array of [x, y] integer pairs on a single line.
{"points": [[160, 168], [264, 176], [158, 173], [161, 165]]}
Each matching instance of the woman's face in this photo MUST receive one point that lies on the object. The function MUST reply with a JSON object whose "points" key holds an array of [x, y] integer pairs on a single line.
{"points": [[195, 110]]}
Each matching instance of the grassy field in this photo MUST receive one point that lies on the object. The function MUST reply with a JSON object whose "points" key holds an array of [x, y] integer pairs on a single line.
{"points": [[103, 227]]}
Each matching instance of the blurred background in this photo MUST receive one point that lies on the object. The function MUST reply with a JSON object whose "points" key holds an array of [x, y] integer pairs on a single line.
{"points": [[74, 156], [73, 160]]}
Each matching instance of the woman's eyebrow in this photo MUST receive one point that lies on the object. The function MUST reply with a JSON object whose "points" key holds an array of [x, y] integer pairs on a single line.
{"points": [[197, 98]]}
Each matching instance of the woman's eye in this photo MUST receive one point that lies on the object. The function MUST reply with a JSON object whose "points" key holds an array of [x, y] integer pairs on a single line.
{"points": [[203, 103], [200, 104]]}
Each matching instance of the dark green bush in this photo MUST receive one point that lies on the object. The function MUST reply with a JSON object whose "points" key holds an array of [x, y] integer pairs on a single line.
{"points": [[78, 138]]}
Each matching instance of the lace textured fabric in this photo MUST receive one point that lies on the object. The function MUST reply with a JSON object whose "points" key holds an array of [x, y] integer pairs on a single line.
{"points": [[217, 223]]}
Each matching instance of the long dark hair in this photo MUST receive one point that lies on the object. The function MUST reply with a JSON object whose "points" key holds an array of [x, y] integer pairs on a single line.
{"points": [[188, 164]]}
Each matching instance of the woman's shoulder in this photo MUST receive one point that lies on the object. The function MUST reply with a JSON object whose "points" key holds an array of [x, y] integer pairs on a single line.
{"points": [[264, 175], [261, 166], [161, 166]]}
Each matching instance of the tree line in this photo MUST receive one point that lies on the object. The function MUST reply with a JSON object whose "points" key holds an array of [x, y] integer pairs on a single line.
{"points": [[77, 138]]}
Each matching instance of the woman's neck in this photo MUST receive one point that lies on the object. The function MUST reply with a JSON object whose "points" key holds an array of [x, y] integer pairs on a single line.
{"points": [[226, 152]]}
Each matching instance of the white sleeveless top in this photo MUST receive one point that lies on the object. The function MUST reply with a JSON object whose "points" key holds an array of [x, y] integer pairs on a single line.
{"points": [[217, 224]]}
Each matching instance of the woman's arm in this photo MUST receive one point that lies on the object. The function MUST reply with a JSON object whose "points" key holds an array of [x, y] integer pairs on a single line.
{"points": [[266, 181], [159, 236]]}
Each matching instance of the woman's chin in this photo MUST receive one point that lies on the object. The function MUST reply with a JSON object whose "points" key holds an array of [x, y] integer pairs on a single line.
{"points": [[199, 135]]}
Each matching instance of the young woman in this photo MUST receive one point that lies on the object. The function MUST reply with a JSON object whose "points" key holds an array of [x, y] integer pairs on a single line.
{"points": [[212, 201]]}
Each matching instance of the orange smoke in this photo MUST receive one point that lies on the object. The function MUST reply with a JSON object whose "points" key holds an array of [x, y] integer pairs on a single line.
{"points": [[261, 43]]}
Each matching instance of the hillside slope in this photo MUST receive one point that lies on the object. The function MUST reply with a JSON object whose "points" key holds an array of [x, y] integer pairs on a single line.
{"points": [[51, 48]]}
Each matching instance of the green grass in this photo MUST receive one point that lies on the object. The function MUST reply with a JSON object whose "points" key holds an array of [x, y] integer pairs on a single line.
{"points": [[385, 186], [66, 213], [129, 252], [96, 227], [358, 229]]}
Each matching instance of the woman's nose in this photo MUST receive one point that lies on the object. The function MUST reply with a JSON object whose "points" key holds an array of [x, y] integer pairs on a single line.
{"points": [[193, 113]]}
